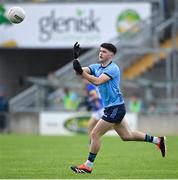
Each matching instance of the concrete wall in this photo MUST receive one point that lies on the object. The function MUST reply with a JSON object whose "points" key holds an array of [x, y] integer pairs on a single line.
{"points": [[27, 123], [157, 125]]}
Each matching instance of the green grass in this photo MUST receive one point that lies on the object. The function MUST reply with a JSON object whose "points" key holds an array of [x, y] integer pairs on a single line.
{"points": [[49, 157]]}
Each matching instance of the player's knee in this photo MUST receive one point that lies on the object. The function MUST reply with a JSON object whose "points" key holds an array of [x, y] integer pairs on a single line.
{"points": [[94, 134]]}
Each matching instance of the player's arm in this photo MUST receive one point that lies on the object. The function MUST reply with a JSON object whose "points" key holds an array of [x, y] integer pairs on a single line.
{"points": [[86, 69], [95, 80]]}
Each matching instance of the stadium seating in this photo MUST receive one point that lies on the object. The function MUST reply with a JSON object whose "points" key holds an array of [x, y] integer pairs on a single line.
{"points": [[146, 62]]}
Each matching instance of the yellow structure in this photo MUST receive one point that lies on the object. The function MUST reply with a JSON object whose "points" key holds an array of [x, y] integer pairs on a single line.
{"points": [[146, 62]]}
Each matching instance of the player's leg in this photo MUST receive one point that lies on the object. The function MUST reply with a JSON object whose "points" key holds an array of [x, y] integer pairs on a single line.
{"points": [[99, 130], [95, 117], [91, 124], [127, 134]]}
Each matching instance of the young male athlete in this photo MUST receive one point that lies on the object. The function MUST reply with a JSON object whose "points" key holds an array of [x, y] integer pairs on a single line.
{"points": [[106, 76], [96, 104]]}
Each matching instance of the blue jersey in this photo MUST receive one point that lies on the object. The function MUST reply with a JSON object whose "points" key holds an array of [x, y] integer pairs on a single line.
{"points": [[110, 91], [96, 103]]}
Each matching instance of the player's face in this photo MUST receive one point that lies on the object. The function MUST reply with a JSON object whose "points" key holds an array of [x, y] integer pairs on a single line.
{"points": [[104, 55]]}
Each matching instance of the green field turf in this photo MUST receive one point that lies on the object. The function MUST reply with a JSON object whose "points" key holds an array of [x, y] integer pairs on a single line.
{"points": [[49, 157]]}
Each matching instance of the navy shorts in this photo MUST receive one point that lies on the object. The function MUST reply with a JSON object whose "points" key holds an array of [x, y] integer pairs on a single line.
{"points": [[114, 114]]}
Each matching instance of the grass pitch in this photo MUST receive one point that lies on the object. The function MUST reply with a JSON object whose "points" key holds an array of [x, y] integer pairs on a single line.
{"points": [[50, 157]]}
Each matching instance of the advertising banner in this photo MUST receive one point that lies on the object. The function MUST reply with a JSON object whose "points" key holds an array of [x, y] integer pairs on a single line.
{"points": [[62, 123], [60, 25]]}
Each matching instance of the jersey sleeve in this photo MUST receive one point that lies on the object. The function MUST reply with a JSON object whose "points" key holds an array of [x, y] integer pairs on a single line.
{"points": [[92, 68], [112, 71]]}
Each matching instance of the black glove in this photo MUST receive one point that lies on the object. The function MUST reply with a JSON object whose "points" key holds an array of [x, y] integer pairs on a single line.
{"points": [[76, 50], [77, 67]]}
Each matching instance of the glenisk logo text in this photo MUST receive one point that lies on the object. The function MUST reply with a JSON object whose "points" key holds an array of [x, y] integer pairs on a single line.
{"points": [[79, 24]]}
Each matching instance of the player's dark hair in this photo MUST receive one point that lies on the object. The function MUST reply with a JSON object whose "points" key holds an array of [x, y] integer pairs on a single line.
{"points": [[109, 47]]}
